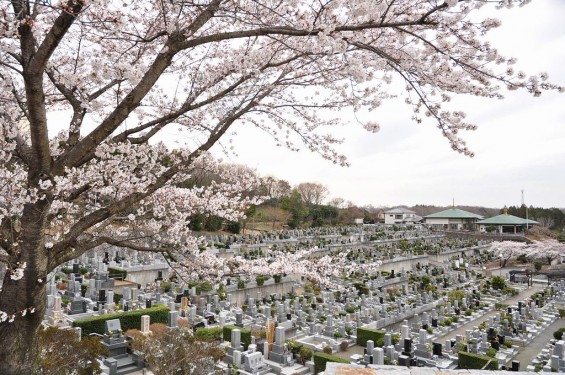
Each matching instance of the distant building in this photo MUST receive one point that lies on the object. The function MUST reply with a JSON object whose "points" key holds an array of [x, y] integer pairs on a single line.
{"points": [[505, 224], [380, 216], [401, 215], [453, 219]]}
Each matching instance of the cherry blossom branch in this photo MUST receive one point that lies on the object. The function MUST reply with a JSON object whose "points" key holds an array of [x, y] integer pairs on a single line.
{"points": [[133, 99]]}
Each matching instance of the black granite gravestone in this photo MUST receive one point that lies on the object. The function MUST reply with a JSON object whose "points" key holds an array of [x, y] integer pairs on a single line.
{"points": [[437, 349]]}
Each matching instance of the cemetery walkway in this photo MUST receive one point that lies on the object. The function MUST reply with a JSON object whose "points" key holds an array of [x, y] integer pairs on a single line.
{"points": [[528, 353], [509, 301]]}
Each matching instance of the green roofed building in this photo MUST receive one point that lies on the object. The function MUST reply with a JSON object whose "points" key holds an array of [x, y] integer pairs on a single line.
{"points": [[505, 223], [453, 219]]}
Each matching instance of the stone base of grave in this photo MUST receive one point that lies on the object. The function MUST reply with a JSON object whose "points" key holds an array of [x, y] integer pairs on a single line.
{"points": [[278, 355], [277, 368], [115, 349], [123, 364]]}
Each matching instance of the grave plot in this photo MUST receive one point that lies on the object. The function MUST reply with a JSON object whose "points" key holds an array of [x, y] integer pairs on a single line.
{"points": [[271, 324]]}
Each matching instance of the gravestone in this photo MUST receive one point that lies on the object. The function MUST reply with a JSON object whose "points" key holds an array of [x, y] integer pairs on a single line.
{"points": [[114, 341], [172, 319], [145, 323], [279, 352]]}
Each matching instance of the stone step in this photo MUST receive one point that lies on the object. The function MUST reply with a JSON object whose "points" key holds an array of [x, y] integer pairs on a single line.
{"points": [[125, 362], [127, 370], [296, 369]]}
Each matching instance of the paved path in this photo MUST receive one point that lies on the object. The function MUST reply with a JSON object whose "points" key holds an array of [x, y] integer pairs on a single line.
{"points": [[528, 353], [473, 323]]}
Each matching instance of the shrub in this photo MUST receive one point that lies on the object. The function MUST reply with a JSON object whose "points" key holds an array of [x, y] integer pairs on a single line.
{"points": [[476, 361], [468, 312], [240, 284], [500, 306], [260, 280], [344, 345], [350, 309], [212, 333], [294, 346], [117, 298], [245, 335], [128, 320], [498, 282], [538, 264], [320, 360], [305, 354], [64, 353], [166, 287], [365, 334], [205, 286], [455, 295], [491, 352], [511, 291], [115, 272], [67, 270], [277, 278], [448, 322], [558, 335], [328, 350]]}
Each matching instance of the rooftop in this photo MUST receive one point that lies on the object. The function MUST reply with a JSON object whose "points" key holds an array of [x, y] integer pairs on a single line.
{"points": [[454, 213], [505, 219], [399, 210]]}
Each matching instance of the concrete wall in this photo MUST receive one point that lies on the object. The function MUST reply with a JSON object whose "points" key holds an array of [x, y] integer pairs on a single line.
{"points": [[447, 255], [486, 236], [407, 263], [238, 296], [146, 274]]}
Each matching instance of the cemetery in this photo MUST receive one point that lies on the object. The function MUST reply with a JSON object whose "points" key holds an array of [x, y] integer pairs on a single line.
{"points": [[430, 303]]}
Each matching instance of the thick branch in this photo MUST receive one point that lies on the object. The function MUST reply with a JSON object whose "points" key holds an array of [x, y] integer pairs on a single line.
{"points": [[134, 98], [54, 36]]}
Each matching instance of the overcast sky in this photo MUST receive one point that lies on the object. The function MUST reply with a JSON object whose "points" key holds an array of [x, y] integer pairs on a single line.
{"points": [[520, 142]]}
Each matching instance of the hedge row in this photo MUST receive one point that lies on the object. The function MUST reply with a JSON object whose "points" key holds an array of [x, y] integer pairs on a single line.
{"points": [[476, 361], [365, 334], [117, 272], [245, 335], [212, 333], [128, 320], [321, 358]]}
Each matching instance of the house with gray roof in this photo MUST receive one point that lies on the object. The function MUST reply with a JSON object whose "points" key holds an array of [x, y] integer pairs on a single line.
{"points": [[401, 215]]}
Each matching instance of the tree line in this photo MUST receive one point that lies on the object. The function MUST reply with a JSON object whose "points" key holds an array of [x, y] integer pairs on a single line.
{"points": [[551, 218]]}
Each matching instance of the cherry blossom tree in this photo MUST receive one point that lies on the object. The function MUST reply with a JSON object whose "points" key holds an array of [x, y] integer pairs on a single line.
{"points": [[124, 71], [508, 249], [547, 250]]}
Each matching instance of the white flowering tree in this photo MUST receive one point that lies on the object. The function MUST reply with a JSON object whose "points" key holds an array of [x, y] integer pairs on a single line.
{"points": [[507, 250], [126, 70], [547, 250]]}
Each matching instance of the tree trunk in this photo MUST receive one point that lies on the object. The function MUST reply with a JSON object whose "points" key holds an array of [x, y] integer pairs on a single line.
{"points": [[18, 351], [18, 348]]}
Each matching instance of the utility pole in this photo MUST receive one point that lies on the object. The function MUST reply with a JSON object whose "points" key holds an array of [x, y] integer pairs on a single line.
{"points": [[523, 204]]}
